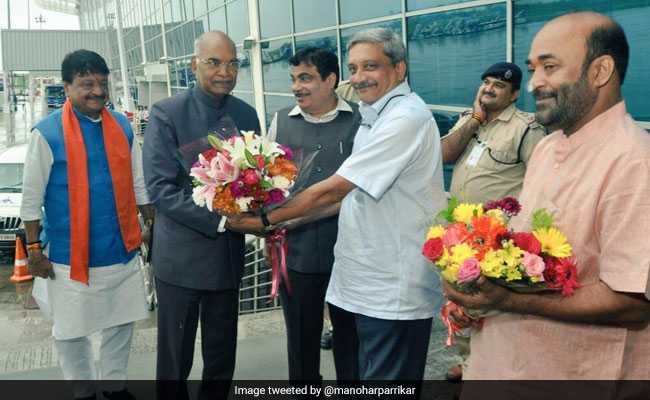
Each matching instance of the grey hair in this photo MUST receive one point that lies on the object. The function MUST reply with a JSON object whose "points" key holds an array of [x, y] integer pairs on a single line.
{"points": [[393, 47], [198, 40]]}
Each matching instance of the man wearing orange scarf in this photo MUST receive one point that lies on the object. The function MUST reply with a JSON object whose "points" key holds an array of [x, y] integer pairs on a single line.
{"points": [[82, 180]]}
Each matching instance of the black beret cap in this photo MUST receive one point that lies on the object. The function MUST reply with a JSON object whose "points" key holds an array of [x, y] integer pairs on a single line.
{"points": [[505, 71]]}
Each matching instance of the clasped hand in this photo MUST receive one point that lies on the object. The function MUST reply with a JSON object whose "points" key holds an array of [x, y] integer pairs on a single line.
{"points": [[246, 223], [488, 297]]}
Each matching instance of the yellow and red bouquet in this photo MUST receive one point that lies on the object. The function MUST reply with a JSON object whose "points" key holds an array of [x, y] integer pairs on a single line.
{"points": [[475, 240]]}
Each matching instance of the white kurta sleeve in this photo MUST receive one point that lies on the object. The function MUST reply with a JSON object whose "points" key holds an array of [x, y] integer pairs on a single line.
{"points": [[36, 174], [139, 187]]}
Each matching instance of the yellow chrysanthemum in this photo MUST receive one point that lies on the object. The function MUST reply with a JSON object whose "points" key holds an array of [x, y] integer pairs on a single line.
{"points": [[512, 255], [492, 264], [553, 242], [465, 211], [503, 263], [450, 274], [461, 252], [436, 231], [498, 215]]}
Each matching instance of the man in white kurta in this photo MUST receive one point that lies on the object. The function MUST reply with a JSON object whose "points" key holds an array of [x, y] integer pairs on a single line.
{"points": [[113, 297]]}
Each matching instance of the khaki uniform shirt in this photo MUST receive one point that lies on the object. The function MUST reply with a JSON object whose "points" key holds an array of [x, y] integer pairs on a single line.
{"points": [[596, 182], [347, 92], [497, 172]]}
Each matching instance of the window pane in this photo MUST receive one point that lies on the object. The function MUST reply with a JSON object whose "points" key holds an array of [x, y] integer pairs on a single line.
{"points": [[237, 13], [420, 4], [355, 10], [275, 65], [449, 51], [275, 103], [313, 14], [530, 16], [346, 35], [200, 8], [244, 76], [325, 40], [218, 20], [275, 17], [201, 25]]}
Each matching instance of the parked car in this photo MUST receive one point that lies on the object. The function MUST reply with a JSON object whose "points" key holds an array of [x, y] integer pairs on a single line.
{"points": [[12, 161]]}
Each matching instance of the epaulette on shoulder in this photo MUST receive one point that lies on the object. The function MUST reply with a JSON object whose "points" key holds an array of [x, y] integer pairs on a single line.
{"points": [[528, 118]]}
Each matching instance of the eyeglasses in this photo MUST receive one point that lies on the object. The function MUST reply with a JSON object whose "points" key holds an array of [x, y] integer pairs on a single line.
{"points": [[215, 63]]}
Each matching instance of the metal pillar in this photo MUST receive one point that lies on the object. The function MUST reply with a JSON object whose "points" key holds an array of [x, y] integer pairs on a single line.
{"points": [[123, 71]]}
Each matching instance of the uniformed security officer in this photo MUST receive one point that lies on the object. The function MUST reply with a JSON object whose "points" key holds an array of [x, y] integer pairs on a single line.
{"points": [[491, 145]]}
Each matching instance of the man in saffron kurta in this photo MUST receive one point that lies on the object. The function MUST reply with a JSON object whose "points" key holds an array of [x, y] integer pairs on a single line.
{"points": [[84, 169], [593, 174]]}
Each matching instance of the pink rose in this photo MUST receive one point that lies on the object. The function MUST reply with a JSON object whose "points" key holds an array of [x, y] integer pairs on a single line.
{"points": [[469, 271], [455, 234], [534, 265], [250, 177]]}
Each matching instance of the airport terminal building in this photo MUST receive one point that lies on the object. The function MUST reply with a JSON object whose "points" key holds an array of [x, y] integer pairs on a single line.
{"points": [[449, 43]]}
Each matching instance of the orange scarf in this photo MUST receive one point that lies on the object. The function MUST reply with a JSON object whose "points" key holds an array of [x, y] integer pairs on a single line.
{"points": [[118, 154]]}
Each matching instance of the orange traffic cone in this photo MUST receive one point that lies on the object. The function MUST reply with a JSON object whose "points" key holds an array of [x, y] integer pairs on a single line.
{"points": [[20, 264]]}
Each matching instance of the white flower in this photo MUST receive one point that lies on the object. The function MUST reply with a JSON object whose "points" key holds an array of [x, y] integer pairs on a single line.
{"points": [[243, 203], [282, 183]]}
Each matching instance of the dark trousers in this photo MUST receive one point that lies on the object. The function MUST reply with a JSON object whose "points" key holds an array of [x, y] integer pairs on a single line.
{"points": [[179, 309], [383, 349], [303, 318]]}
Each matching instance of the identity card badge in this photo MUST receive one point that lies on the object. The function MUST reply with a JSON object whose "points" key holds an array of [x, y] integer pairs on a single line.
{"points": [[475, 154]]}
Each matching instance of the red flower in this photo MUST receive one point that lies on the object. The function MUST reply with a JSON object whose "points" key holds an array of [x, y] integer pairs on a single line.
{"points": [[486, 233], [432, 249], [561, 273], [261, 162], [527, 241], [510, 206], [250, 177], [210, 154]]}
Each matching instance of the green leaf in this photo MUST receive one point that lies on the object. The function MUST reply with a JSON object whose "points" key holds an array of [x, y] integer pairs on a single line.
{"points": [[250, 159], [266, 185], [542, 219], [448, 213], [215, 142]]}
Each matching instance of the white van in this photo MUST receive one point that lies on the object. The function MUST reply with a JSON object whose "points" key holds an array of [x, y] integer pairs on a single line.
{"points": [[12, 161]]}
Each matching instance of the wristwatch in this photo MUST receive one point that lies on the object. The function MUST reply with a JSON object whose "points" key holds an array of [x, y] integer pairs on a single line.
{"points": [[265, 220]]}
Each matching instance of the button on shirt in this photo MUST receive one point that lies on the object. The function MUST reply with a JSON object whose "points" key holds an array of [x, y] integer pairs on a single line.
{"points": [[600, 196], [396, 166]]}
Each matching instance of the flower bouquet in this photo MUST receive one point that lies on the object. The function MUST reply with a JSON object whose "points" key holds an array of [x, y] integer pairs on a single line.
{"points": [[242, 173], [475, 241], [235, 173]]}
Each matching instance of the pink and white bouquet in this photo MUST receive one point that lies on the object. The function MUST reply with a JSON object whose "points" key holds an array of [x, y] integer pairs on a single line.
{"points": [[242, 173]]}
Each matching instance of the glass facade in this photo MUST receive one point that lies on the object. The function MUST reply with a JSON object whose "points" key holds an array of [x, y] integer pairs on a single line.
{"points": [[449, 42]]}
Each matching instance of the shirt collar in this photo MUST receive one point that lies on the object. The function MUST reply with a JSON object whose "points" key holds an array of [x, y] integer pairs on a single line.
{"points": [[341, 105], [207, 99], [82, 115], [370, 112], [507, 113], [592, 133]]}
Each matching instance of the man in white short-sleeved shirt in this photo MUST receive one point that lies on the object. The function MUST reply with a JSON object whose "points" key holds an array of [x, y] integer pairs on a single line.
{"points": [[390, 188]]}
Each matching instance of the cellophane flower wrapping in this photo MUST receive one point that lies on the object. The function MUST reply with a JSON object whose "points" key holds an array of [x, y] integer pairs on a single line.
{"points": [[235, 172]]}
